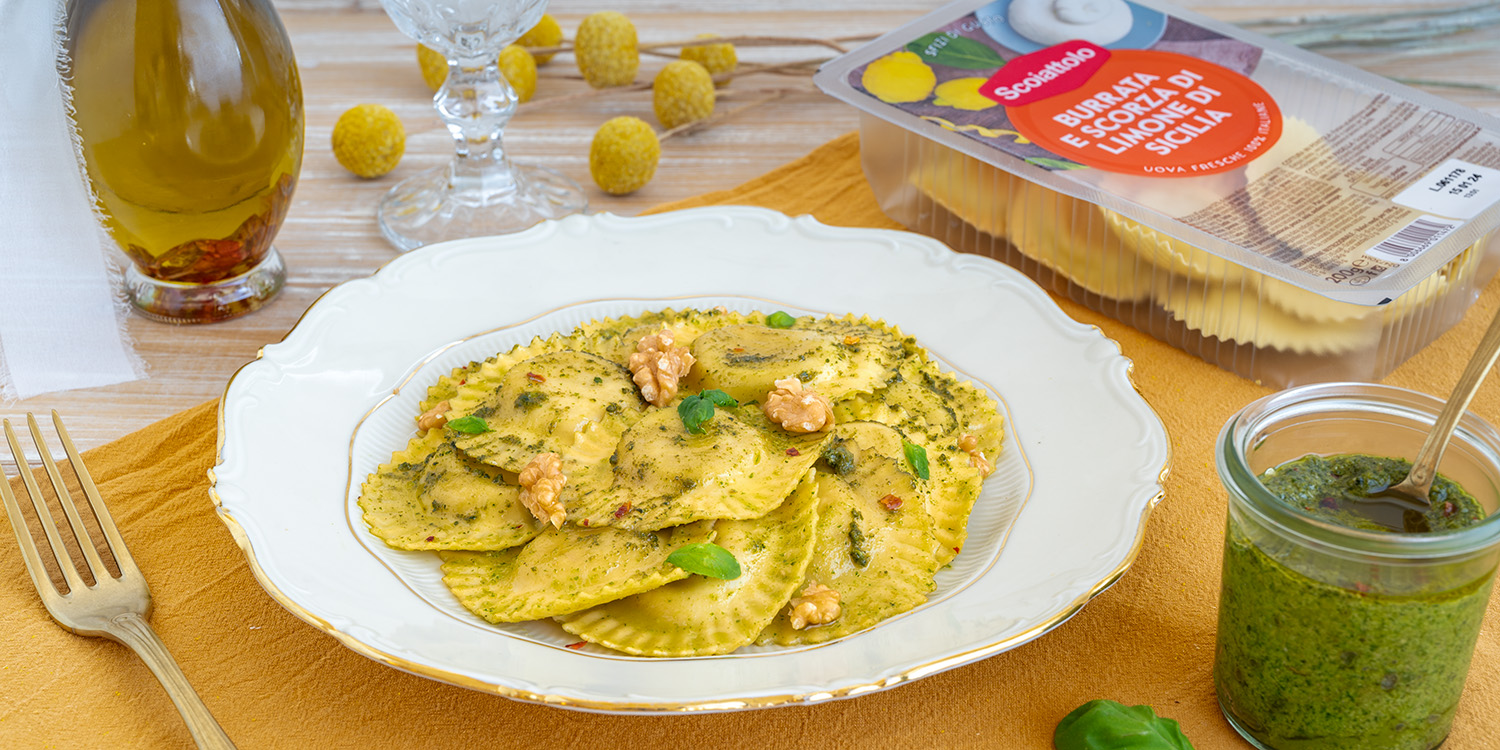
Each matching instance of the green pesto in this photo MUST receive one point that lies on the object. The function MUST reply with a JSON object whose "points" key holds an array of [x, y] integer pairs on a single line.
{"points": [[837, 457], [859, 546], [1316, 666], [529, 400], [1338, 489]]}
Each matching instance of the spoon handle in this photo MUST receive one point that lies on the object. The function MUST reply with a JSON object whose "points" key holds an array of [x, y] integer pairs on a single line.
{"points": [[1424, 466]]}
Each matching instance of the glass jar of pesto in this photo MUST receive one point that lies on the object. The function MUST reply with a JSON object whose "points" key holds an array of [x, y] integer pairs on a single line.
{"points": [[1335, 632]]}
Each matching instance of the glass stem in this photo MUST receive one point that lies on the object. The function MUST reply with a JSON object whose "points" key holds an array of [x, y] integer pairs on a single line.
{"points": [[475, 103]]}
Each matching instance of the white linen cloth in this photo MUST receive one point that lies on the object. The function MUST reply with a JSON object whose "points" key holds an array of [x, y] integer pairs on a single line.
{"points": [[62, 322]]}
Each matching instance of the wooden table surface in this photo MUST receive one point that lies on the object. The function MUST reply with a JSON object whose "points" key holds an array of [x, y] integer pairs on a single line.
{"points": [[349, 53]]}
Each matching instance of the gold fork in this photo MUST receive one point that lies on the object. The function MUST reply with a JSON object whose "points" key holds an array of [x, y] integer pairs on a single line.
{"points": [[115, 608]]}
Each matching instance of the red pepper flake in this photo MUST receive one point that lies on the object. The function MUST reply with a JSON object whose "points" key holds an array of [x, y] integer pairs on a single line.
{"points": [[465, 380], [955, 550], [793, 452], [578, 645], [890, 502], [535, 378], [584, 522], [738, 349], [623, 509], [1449, 509], [431, 538]]}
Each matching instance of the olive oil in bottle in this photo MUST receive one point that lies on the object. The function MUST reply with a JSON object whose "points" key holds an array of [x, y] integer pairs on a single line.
{"points": [[189, 114]]}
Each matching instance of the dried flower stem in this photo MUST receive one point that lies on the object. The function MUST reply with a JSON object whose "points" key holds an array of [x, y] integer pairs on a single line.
{"points": [[797, 67], [718, 117], [835, 43]]}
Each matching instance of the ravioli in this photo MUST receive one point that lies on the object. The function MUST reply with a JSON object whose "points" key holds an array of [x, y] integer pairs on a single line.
{"points": [[880, 560], [1059, 232], [563, 571], [616, 339], [701, 616], [932, 406], [431, 497], [841, 507], [567, 402], [741, 466]]}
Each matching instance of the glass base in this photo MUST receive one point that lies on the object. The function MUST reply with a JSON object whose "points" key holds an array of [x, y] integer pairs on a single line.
{"points": [[173, 302], [426, 208]]}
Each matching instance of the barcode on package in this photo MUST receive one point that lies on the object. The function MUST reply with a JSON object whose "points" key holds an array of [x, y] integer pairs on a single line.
{"points": [[1412, 239]]}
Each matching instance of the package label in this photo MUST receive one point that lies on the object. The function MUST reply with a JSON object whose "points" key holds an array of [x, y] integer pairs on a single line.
{"points": [[1455, 188], [1144, 112]]}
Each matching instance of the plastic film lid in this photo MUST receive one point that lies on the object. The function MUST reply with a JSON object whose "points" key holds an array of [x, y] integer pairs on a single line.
{"points": [[1332, 179]]}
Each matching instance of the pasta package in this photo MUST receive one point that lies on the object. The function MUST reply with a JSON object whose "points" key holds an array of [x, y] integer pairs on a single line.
{"points": [[687, 483], [1280, 215]]}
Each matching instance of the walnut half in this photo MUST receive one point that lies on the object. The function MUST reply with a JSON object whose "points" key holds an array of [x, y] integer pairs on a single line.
{"points": [[798, 409], [437, 416], [816, 605], [657, 367], [542, 481], [970, 445]]}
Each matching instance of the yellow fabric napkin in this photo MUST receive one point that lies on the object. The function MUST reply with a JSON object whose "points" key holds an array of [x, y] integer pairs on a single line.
{"points": [[276, 682]]}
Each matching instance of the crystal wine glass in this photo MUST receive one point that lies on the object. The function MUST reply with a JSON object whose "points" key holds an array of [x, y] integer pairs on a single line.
{"points": [[481, 192]]}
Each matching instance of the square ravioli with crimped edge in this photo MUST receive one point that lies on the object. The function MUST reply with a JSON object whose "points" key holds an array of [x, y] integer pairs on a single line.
{"points": [[685, 483]]}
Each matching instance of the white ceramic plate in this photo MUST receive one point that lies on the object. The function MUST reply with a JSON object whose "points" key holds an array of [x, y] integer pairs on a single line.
{"points": [[300, 427]]}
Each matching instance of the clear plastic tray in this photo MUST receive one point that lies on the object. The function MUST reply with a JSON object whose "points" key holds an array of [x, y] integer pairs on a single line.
{"points": [[1320, 223]]}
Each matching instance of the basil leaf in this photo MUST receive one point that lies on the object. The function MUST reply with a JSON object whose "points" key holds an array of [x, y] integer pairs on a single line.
{"points": [[916, 455], [1045, 163], [720, 398], [956, 52], [780, 319], [470, 425], [1106, 725], [706, 559], [694, 411]]}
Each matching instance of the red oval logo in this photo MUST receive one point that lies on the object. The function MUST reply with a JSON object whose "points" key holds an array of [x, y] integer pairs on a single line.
{"points": [[1055, 70]]}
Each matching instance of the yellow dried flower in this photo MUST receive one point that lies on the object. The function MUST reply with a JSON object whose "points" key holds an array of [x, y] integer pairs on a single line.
{"points": [[898, 78], [683, 92], [716, 58], [369, 140], [605, 48], [434, 66], [546, 33], [623, 156], [519, 68]]}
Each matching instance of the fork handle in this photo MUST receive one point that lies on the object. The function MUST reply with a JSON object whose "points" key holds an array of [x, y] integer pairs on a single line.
{"points": [[132, 630]]}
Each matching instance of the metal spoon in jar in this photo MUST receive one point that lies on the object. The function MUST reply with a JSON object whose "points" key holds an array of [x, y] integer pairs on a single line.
{"points": [[1418, 481]]}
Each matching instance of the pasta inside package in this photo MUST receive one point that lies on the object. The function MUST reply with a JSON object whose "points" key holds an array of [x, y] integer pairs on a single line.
{"points": [[687, 483], [1279, 214]]}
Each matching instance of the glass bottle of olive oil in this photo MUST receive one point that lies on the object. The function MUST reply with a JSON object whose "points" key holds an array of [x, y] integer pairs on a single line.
{"points": [[189, 114]]}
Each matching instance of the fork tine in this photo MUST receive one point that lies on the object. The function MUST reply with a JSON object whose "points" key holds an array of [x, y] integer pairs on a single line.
{"points": [[59, 552], [65, 498], [101, 511], [34, 567]]}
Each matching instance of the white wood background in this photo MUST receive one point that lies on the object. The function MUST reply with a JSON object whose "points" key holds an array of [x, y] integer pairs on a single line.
{"points": [[349, 53]]}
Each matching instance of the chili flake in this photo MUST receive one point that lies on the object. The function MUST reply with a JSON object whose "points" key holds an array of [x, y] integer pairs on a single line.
{"points": [[793, 452], [890, 502], [535, 378], [624, 508], [578, 645]]}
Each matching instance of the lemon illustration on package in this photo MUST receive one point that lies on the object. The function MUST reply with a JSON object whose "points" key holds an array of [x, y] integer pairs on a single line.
{"points": [[898, 78], [962, 93]]}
